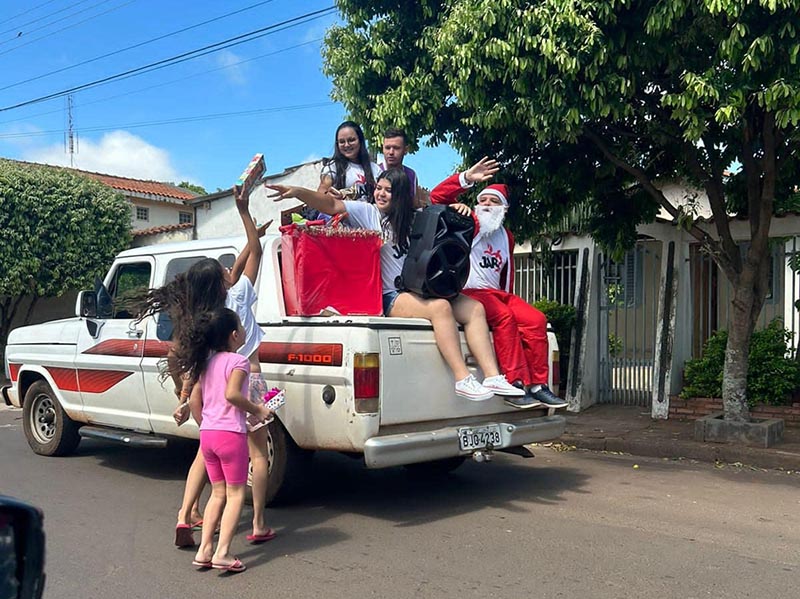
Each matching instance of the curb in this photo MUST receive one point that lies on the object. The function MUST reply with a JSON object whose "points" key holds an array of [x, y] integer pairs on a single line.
{"points": [[774, 459]]}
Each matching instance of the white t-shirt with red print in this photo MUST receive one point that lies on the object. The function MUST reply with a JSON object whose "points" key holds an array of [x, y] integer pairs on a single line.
{"points": [[490, 254], [354, 176]]}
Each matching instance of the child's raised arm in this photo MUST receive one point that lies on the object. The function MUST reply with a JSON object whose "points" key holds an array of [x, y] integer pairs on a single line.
{"points": [[253, 258], [241, 259]]}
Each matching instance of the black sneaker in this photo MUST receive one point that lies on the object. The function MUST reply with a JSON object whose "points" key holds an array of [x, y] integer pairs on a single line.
{"points": [[548, 398], [524, 402]]}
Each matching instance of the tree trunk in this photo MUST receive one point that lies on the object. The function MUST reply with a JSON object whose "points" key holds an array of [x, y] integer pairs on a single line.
{"points": [[734, 372], [748, 300]]}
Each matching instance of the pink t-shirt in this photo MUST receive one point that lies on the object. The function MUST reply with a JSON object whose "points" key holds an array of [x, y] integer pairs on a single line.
{"points": [[218, 413]]}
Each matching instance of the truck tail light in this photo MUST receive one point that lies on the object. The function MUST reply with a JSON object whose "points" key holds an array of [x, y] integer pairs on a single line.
{"points": [[366, 382]]}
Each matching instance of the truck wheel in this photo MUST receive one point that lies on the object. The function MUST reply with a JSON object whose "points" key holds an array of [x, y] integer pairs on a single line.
{"points": [[435, 468], [47, 427], [288, 465]]}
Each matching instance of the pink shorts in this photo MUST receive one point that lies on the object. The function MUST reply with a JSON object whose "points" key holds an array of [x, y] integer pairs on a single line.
{"points": [[226, 457]]}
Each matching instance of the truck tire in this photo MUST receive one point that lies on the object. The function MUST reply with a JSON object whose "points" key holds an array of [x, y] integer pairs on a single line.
{"points": [[434, 468], [288, 465], [48, 429]]}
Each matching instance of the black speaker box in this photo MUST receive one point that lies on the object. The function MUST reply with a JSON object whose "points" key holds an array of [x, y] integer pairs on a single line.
{"points": [[437, 264]]}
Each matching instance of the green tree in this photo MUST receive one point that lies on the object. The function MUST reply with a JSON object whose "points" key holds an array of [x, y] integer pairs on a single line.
{"points": [[60, 229], [594, 102], [192, 187]]}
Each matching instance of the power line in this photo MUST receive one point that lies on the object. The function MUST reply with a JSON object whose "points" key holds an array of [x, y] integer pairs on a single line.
{"points": [[228, 43], [177, 120], [25, 12], [139, 45], [37, 19], [52, 33], [149, 87]]}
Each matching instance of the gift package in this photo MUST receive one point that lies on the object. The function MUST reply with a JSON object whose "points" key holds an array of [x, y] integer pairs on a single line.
{"points": [[330, 270]]}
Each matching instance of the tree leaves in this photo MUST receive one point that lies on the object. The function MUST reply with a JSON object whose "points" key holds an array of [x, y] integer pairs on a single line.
{"points": [[60, 229]]}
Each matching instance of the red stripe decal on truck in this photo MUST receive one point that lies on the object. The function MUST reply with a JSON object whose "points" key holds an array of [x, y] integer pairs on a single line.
{"points": [[99, 381], [117, 347], [154, 348], [314, 354], [84, 380], [65, 379]]}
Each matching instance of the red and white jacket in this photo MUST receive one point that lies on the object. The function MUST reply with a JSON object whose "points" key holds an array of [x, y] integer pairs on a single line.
{"points": [[491, 259]]}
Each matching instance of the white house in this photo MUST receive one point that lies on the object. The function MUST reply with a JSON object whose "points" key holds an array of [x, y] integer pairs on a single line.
{"points": [[216, 215], [639, 320]]}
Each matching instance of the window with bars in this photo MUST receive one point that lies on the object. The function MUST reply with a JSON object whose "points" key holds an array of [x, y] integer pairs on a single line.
{"points": [[185, 217], [142, 213]]}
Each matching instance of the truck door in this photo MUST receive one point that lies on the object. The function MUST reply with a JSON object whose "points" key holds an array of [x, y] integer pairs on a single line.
{"points": [[110, 348], [160, 391]]}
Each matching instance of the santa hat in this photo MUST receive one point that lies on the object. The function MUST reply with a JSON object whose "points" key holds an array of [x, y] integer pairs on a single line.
{"points": [[499, 190]]}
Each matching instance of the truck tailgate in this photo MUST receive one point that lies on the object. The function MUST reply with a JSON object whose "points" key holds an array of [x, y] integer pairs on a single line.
{"points": [[416, 383]]}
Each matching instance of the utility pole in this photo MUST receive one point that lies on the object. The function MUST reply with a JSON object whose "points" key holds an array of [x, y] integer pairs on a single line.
{"points": [[70, 138]]}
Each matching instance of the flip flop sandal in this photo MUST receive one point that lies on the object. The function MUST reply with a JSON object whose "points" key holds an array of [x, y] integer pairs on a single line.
{"points": [[197, 525], [268, 536], [183, 536], [204, 565], [236, 566]]}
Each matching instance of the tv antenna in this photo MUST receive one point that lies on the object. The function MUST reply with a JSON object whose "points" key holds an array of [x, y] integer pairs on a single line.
{"points": [[70, 137]]}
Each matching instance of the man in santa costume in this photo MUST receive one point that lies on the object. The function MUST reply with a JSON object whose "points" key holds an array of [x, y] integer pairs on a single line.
{"points": [[519, 330]]}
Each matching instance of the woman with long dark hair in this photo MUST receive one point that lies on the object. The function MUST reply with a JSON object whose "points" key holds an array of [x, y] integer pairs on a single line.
{"points": [[392, 214], [350, 167]]}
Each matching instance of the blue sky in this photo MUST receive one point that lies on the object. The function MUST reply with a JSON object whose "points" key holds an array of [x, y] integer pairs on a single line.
{"points": [[279, 75]]}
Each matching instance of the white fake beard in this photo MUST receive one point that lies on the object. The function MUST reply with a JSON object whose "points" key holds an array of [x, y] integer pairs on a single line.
{"points": [[490, 218]]}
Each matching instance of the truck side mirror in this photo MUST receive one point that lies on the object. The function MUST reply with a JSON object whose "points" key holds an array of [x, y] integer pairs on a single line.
{"points": [[21, 550], [104, 304], [86, 306]]}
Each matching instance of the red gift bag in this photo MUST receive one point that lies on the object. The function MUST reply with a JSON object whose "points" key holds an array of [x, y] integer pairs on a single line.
{"points": [[330, 268]]}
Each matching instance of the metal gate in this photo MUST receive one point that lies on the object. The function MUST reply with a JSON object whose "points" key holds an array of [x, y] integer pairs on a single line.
{"points": [[629, 292]]}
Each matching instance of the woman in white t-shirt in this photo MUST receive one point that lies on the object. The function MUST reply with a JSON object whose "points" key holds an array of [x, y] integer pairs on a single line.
{"points": [[350, 166], [392, 215]]}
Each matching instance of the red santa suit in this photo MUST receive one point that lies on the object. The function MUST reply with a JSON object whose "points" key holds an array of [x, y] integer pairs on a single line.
{"points": [[519, 330]]}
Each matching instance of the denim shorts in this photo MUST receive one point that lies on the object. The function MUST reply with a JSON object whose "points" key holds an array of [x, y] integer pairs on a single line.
{"points": [[388, 301]]}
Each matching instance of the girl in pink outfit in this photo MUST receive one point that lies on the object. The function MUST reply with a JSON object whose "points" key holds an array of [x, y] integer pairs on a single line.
{"points": [[220, 404]]}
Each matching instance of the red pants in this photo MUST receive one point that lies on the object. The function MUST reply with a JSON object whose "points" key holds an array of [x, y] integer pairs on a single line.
{"points": [[520, 335]]}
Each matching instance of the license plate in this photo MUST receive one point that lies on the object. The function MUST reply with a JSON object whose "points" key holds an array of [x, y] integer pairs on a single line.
{"points": [[478, 438]]}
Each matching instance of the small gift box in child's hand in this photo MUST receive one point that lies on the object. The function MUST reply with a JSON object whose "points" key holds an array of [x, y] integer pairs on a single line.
{"points": [[330, 269], [273, 399]]}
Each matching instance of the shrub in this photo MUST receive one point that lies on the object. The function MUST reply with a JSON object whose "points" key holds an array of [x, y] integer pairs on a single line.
{"points": [[562, 318], [772, 376]]}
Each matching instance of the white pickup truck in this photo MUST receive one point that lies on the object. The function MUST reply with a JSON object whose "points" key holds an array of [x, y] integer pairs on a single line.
{"points": [[365, 385]]}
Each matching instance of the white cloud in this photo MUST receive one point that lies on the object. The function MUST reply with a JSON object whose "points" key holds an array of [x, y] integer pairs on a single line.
{"points": [[116, 153], [236, 73]]}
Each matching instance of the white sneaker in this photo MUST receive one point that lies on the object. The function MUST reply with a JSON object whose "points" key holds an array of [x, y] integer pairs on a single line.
{"points": [[500, 386], [470, 388]]}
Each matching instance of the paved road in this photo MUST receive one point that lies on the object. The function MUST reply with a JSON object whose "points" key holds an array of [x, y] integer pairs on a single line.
{"points": [[566, 524]]}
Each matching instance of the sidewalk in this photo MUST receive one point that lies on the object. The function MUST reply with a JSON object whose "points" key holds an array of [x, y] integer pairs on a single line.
{"points": [[631, 430]]}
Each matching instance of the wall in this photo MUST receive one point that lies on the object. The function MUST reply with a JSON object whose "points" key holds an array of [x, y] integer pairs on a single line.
{"points": [[161, 213], [168, 237], [692, 409], [219, 218]]}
